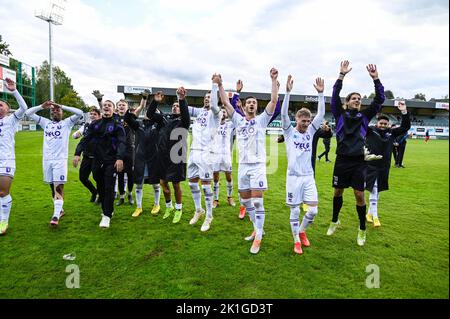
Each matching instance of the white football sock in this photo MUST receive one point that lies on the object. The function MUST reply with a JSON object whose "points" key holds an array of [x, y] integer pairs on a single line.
{"points": [[139, 194], [196, 195]]}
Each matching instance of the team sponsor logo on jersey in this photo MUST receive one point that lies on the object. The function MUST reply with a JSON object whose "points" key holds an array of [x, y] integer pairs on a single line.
{"points": [[308, 137], [55, 134], [110, 128], [302, 146]]}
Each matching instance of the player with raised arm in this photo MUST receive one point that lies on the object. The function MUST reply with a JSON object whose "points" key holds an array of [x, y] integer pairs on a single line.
{"points": [[55, 149], [172, 153], [237, 104], [200, 163], [122, 108], [88, 158], [351, 127], [223, 149], [300, 184], [8, 129], [146, 151], [251, 143], [380, 140]]}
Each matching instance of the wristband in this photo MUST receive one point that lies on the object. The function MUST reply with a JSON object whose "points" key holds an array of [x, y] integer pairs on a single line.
{"points": [[343, 74]]}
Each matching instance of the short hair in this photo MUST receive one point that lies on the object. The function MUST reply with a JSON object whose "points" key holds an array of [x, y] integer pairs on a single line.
{"points": [[94, 109], [303, 112], [382, 117], [122, 100], [114, 105], [347, 98], [9, 106], [250, 97]]}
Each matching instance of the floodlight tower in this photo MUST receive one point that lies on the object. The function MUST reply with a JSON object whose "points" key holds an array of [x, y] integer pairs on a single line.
{"points": [[53, 15]]}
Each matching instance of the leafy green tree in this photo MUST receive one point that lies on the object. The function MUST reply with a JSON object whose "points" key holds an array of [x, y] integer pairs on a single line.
{"points": [[63, 88], [4, 48], [420, 96]]}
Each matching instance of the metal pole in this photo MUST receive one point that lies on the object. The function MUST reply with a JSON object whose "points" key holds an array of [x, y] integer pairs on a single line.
{"points": [[50, 58]]}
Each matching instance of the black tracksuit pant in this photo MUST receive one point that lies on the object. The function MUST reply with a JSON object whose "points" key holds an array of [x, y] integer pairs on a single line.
{"points": [[401, 152], [127, 168], [86, 167], [105, 176], [325, 153]]}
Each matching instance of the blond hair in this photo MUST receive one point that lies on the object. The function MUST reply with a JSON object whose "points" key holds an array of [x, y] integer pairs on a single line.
{"points": [[303, 112]]}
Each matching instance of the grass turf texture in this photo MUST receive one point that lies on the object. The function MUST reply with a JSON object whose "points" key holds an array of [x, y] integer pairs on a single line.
{"points": [[148, 257]]}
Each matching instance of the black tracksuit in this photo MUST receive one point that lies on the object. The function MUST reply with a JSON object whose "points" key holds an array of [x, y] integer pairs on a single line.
{"points": [[351, 128], [400, 149], [326, 136], [173, 138], [86, 164], [128, 160], [106, 140], [381, 142], [146, 147]]}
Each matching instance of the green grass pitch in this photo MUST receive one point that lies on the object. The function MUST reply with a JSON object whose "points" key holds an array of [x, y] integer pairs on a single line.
{"points": [[148, 257]]}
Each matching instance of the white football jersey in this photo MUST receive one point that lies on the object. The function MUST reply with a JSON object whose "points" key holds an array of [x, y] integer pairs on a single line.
{"points": [[204, 128], [8, 128], [56, 138], [299, 150], [251, 137], [222, 141]]}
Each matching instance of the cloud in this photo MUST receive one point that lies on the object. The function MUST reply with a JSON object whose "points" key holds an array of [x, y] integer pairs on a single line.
{"points": [[171, 43]]}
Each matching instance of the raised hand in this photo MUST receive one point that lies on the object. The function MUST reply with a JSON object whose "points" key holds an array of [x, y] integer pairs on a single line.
{"points": [[217, 79], [372, 69], [97, 94], [159, 96], [345, 67], [10, 84], [273, 74], [401, 106], [239, 86], [181, 93], [47, 104], [289, 83], [319, 85], [145, 94]]}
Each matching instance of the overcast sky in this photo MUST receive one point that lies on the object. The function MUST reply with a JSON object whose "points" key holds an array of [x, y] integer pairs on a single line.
{"points": [[102, 44]]}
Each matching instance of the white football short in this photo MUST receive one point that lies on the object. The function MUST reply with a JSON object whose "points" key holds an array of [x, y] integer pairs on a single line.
{"points": [[301, 189], [200, 165], [55, 171], [223, 163], [252, 177], [7, 168]]}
